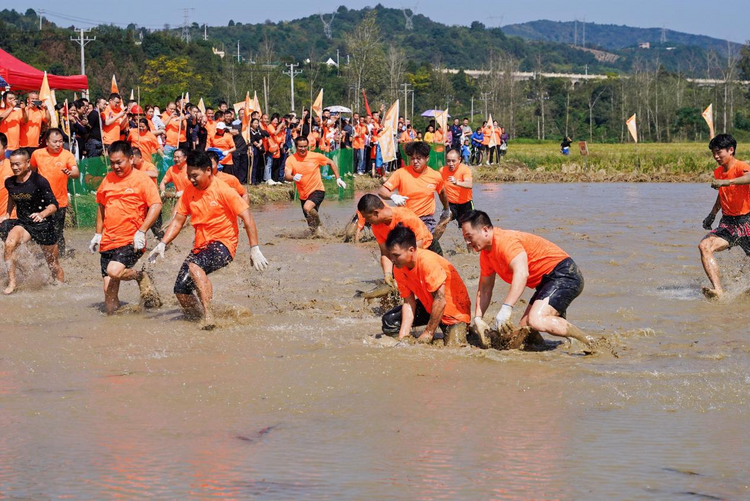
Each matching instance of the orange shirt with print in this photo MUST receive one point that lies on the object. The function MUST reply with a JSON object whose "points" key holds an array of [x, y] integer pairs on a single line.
{"points": [[232, 182], [174, 126], [5, 173], [111, 132], [147, 166], [126, 201], [734, 200], [405, 216], [30, 130], [50, 166], [147, 143], [428, 275], [309, 167], [11, 127], [542, 255], [420, 188], [178, 177], [213, 213], [224, 143], [457, 194]]}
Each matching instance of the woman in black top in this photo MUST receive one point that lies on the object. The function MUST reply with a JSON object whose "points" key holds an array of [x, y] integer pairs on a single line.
{"points": [[31, 196]]}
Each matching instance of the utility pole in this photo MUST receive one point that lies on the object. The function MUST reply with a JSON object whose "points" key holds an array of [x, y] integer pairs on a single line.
{"points": [[238, 51], [41, 16], [472, 110], [205, 31], [485, 97], [82, 41], [406, 100], [292, 73]]}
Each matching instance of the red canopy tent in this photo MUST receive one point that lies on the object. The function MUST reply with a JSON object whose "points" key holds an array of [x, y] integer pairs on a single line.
{"points": [[21, 76]]}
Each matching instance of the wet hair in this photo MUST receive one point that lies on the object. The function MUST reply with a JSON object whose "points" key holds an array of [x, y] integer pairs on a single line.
{"points": [[53, 130], [199, 160], [401, 236], [3, 140], [300, 138], [184, 151], [213, 156], [723, 142], [21, 152], [418, 148], [143, 121], [121, 147], [114, 95], [477, 218], [369, 203]]}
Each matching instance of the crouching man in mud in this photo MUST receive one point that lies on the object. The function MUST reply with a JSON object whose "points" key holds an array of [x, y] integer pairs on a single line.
{"points": [[213, 207], [522, 260], [382, 220], [732, 179], [129, 205], [434, 294], [304, 169]]}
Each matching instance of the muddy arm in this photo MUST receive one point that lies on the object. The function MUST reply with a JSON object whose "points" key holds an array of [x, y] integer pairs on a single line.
{"points": [[438, 307], [407, 316]]}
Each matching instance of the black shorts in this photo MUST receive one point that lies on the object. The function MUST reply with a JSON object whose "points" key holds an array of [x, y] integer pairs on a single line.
{"points": [[125, 255], [211, 257], [42, 233], [562, 285], [735, 230], [458, 210], [315, 197]]}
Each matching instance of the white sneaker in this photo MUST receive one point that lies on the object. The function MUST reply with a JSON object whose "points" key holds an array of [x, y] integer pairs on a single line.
{"points": [[270, 182]]}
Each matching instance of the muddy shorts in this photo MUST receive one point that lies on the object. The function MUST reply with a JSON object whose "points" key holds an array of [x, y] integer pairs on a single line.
{"points": [[42, 233], [211, 257], [735, 230], [315, 197], [125, 255], [562, 285], [458, 210]]}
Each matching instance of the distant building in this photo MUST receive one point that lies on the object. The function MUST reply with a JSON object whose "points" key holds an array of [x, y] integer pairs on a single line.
{"points": [[644, 45]]}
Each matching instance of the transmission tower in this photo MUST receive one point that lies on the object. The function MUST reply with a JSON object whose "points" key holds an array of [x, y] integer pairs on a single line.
{"points": [[186, 24], [575, 33], [408, 17], [663, 34], [327, 25]]}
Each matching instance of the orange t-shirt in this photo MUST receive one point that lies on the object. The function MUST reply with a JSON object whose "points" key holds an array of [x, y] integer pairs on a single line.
{"points": [[457, 194], [31, 129], [312, 140], [734, 200], [309, 167], [542, 255], [213, 213], [111, 132], [486, 133], [172, 128], [11, 127], [431, 272], [147, 143], [232, 182], [5, 173], [438, 137], [178, 178], [405, 216], [51, 168], [126, 201], [225, 142], [358, 139], [407, 136], [211, 130], [418, 187], [147, 166]]}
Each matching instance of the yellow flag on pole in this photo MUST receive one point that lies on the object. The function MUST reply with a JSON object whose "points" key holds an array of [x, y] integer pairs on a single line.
{"points": [[113, 86], [318, 104], [202, 106], [387, 142], [441, 119], [256, 103], [493, 137], [632, 127], [132, 95], [708, 116], [187, 97], [47, 98], [391, 116]]}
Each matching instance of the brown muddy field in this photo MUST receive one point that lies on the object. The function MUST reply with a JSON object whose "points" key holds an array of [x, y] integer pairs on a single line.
{"points": [[296, 397]]}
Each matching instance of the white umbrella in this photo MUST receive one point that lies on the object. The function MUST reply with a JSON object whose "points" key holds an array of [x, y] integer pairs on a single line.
{"points": [[338, 109]]}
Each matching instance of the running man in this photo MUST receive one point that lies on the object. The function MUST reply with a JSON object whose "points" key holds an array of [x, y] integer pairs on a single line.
{"points": [[56, 165], [382, 220], [213, 208], [34, 202], [458, 183], [732, 180], [523, 260], [128, 204], [416, 185], [434, 294], [304, 169], [229, 179]]}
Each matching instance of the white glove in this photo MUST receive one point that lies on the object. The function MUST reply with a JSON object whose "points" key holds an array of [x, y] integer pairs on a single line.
{"points": [[157, 252], [178, 194], [256, 256], [503, 316], [94, 245], [297, 177], [139, 240], [398, 199], [341, 183]]}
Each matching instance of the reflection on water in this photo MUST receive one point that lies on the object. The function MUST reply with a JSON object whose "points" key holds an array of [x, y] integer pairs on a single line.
{"points": [[293, 398]]}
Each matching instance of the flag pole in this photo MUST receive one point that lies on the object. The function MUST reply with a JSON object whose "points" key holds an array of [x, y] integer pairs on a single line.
{"points": [[70, 137]]}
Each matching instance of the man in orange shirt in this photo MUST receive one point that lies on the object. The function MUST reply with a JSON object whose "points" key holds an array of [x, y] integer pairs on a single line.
{"points": [[434, 294], [224, 141], [416, 184], [229, 179], [732, 180], [128, 206], [175, 126], [486, 137], [11, 116], [382, 220], [213, 208], [458, 182], [177, 174], [523, 260], [114, 120], [31, 125], [57, 165], [304, 169]]}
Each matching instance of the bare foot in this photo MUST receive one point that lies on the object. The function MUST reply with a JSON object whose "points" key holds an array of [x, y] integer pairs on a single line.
{"points": [[207, 323], [712, 293], [10, 288]]}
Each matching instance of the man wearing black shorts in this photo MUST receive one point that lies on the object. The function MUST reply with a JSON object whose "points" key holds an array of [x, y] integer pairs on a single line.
{"points": [[523, 260], [458, 188], [31, 196]]}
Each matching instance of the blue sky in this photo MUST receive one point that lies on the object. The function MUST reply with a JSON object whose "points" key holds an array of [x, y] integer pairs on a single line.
{"points": [[691, 16]]}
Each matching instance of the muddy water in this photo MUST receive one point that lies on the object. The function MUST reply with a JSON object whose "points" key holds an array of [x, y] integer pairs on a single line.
{"points": [[295, 398]]}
